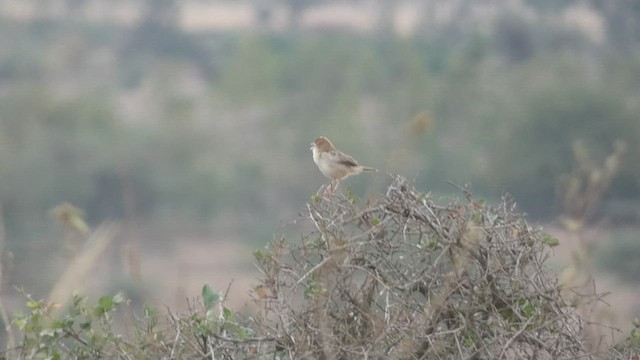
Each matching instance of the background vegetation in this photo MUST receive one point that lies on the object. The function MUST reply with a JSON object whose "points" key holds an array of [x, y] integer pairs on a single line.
{"points": [[205, 133]]}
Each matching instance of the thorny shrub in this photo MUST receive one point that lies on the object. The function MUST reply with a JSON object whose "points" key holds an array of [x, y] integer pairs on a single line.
{"points": [[394, 277], [402, 277]]}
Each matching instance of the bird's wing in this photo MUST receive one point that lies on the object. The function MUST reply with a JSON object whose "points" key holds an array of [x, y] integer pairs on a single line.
{"points": [[344, 159]]}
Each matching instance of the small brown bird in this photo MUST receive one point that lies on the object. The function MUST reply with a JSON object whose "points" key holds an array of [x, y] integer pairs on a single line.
{"points": [[334, 164]]}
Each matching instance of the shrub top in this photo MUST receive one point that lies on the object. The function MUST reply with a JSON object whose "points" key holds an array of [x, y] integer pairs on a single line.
{"points": [[402, 277]]}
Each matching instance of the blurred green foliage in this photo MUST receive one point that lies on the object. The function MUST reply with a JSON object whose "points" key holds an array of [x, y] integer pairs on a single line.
{"points": [[110, 329], [156, 123]]}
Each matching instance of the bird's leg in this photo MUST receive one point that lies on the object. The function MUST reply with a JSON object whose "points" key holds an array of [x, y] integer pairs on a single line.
{"points": [[336, 185], [330, 188], [327, 189]]}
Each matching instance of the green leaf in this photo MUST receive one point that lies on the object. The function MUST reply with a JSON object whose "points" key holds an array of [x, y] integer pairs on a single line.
{"points": [[241, 333], [550, 240], [209, 297], [106, 304], [351, 196], [315, 198], [527, 308], [228, 314], [469, 339], [312, 289], [61, 324], [20, 323], [507, 314], [36, 317], [258, 255], [467, 342], [149, 311], [33, 304]]}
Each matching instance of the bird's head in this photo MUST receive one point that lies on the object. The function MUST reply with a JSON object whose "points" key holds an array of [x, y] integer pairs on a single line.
{"points": [[322, 144]]}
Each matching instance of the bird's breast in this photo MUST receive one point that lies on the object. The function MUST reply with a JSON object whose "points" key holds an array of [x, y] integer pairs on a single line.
{"points": [[329, 167]]}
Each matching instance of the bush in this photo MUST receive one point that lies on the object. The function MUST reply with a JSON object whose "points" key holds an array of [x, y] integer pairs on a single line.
{"points": [[405, 278], [395, 277]]}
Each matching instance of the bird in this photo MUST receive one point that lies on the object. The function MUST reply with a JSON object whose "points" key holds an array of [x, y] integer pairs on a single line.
{"points": [[333, 163]]}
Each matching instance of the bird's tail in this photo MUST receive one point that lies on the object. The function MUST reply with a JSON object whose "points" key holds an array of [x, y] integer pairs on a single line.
{"points": [[366, 168]]}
